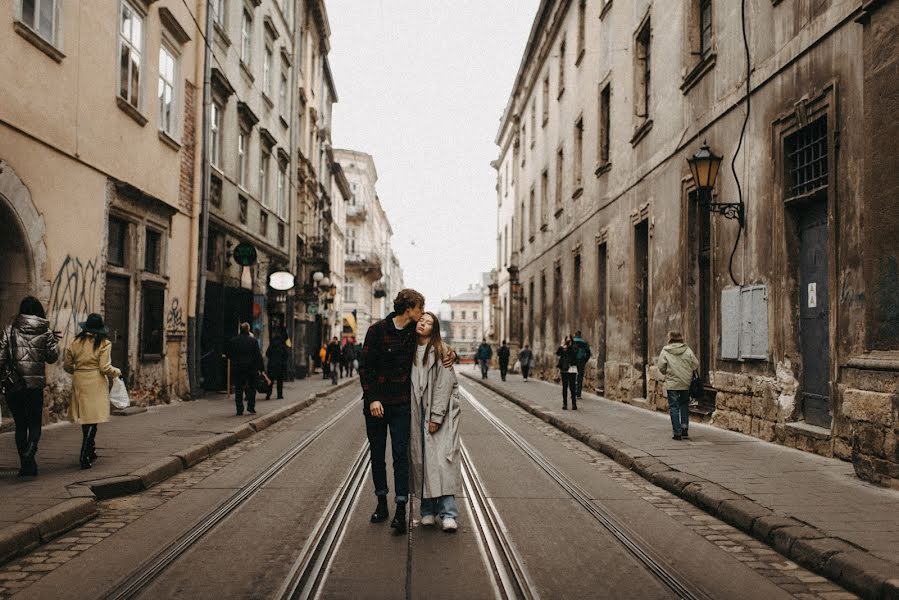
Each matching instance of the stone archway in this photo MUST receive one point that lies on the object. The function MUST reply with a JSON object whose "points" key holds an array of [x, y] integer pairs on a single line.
{"points": [[23, 252]]}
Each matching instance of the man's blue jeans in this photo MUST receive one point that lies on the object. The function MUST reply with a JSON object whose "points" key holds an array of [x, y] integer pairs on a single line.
{"points": [[679, 409], [396, 420], [443, 507], [484, 364]]}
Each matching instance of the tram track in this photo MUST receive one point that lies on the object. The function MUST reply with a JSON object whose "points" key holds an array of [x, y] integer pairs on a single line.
{"points": [[632, 542], [139, 579]]}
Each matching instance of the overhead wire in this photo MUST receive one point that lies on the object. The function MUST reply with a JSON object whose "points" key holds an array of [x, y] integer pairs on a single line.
{"points": [[733, 160]]}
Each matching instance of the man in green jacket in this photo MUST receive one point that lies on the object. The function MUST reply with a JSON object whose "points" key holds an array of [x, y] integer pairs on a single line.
{"points": [[677, 363]]}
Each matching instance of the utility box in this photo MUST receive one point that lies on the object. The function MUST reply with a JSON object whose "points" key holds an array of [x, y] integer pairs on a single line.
{"points": [[744, 323]]}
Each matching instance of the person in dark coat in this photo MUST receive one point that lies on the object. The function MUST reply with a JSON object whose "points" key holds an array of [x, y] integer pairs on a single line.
{"points": [[332, 355], [484, 354], [349, 356], [583, 353], [503, 355], [277, 355], [246, 364], [526, 358], [27, 345], [567, 364]]}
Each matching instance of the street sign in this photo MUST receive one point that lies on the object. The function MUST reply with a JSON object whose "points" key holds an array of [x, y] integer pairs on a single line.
{"points": [[312, 309], [245, 254]]}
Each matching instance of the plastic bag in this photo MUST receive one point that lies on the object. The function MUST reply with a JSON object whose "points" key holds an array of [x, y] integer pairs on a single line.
{"points": [[119, 395]]}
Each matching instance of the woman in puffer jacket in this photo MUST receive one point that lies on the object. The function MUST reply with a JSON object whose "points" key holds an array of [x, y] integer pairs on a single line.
{"points": [[29, 345]]}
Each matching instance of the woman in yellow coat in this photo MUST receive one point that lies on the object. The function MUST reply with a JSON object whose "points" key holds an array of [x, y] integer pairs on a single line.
{"points": [[88, 360]]}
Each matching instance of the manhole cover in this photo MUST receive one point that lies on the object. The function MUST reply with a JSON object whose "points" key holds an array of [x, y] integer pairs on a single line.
{"points": [[188, 433]]}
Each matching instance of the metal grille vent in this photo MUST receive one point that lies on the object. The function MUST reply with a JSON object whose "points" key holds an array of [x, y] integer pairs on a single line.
{"points": [[806, 159]]}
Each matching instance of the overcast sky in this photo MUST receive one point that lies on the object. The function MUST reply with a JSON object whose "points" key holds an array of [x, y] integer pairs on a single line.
{"points": [[422, 85]]}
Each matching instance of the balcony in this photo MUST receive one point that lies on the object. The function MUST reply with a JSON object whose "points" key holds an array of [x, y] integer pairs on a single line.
{"points": [[356, 213], [318, 251], [368, 262]]}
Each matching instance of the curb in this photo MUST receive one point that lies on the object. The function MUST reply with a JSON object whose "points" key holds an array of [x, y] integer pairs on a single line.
{"points": [[40, 528], [846, 564]]}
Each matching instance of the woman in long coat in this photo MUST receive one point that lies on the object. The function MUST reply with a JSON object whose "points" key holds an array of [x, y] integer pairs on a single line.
{"points": [[434, 444], [88, 360]]}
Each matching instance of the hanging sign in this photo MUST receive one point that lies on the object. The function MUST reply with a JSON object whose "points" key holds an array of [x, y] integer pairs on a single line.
{"points": [[312, 309], [245, 254], [281, 281]]}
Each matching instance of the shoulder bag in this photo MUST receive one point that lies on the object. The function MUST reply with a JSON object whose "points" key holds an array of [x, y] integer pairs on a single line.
{"points": [[10, 378], [696, 387]]}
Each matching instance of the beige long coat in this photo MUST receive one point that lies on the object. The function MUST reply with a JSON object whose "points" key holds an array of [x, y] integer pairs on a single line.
{"points": [[436, 458], [90, 386]]}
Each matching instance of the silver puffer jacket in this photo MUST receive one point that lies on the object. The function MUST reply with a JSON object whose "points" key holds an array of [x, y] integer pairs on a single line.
{"points": [[33, 345]]}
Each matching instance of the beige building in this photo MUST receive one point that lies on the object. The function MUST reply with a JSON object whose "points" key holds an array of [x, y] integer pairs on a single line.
{"points": [[465, 326], [787, 296], [99, 176]]}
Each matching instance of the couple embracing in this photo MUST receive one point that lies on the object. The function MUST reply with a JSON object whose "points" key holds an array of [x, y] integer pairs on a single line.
{"points": [[410, 391]]}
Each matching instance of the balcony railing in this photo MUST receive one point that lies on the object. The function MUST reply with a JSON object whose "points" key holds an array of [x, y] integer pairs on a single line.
{"points": [[366, 260], [356, 212]]}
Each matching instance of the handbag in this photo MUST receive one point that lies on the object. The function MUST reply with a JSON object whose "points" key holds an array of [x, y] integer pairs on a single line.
{"points": [[263, 383], [696, 386], [10, 378]]}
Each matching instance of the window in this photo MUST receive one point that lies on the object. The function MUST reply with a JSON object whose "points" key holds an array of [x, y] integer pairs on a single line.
{"points": [[506, 246], [153, 252], [643, 72], [474, 315], [463, 315], [212, 245], [243, 158], [153, 297], [168, 78], [581, 29], [524, 138], [263, 223], [220, 9], [267, 70], [349, 290], [705, 27], [561, 68], [531, 301], [281, 234], [533, 121], [453, 315], [544, 198], [242, 209], [246, 37], [117, 248], [605, 98], [560, 174], [543, 310], [131, 36], [265, 158], [744, 322], [576, 280], [215, 190], [578, 158], [215, 134], [545, 99], [42, 17], [282, 93], [532, 216], [282, 191], [557, 300], [805, 155]]}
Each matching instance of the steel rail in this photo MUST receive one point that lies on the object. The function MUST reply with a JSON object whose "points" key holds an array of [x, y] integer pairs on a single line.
{"points": [[510, 575], [308, 574], [140, 578], [641, 550]]}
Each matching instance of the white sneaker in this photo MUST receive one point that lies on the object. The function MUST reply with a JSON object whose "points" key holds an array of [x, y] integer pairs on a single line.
{"points": [[449, 525], [428, 521]]}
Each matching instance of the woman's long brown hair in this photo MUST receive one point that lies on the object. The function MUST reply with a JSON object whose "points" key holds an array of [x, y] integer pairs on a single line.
{"points": [[435, 341]]}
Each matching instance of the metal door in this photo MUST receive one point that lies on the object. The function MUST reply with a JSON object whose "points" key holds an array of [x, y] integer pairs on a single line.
{"points": [[814, 332], [117, 305], [641, 293]]}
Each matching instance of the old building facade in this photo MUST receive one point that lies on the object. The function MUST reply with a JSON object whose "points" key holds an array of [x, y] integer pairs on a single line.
{"points": [[465, 325], [600, 229], [87, 105]]}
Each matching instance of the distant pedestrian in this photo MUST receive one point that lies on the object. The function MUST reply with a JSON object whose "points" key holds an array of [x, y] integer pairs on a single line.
{"points": [[323, 360], [278, 356], [333, 358], [583, 354], [503, 356], [26, 346], [435, 447], [568, 371], [484, 354], [526, 359], [349, 355], [88, 360], [677, 363], [246, 364]]}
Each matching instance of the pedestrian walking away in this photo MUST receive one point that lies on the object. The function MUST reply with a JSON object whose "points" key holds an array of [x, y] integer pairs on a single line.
{"points": [[677, 363], [87, 359], [387, 355], [567, 365], [503, 356], [332, 356], [26, 346], [323, 359], [435, 447], [582, 355], [526, 360], [349, 355], [277, 355], [484, 354], [246, 364]]}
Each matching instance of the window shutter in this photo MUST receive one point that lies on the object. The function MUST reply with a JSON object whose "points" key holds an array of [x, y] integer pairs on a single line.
{"points": [[754, 328], [730, 323]]}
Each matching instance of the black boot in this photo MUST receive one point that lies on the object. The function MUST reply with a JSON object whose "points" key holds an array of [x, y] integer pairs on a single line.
{"points": [[91, 444], [29, 464], [381, 513], [84, 457], [398, 524], [23, 465]]}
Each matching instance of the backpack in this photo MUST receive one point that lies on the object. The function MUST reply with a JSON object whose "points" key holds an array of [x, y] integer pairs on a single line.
{"points": [[582, 354]]}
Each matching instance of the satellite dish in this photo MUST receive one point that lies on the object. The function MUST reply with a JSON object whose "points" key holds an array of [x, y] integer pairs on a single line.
{"points": [[281, 281]]}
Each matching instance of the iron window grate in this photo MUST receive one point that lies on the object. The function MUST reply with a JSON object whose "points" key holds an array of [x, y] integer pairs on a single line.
{"points": [[806, 159]]}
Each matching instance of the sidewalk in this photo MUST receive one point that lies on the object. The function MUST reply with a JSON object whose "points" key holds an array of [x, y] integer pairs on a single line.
{"points": [[135, 452], [807, 506]]}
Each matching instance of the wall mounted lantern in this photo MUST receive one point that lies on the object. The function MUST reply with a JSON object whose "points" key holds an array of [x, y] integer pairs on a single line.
{"points": [[704, 166]]}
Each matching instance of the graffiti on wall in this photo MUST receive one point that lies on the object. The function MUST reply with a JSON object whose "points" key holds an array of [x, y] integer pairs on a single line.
{"points": [[174, 320], [73, 295]]}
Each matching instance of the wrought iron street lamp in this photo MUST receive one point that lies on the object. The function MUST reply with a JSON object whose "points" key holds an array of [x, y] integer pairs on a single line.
{"points": [[704, 166]]}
